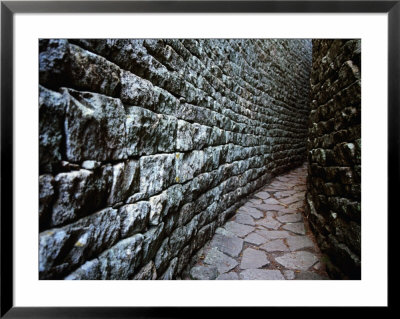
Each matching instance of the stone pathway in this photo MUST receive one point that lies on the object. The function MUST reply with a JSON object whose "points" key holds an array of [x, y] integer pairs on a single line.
{"points": [[268, 238]]}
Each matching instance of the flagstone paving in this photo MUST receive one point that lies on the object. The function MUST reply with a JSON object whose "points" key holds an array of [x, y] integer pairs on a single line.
{"points": [[267, 239]]}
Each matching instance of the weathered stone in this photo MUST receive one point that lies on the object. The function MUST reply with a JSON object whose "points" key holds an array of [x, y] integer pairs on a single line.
{"points": [[148, 133], [317, 266], [184, 259], [64, 248], [50, 246], [191, 136], [92, 72], [301, 260], [137, 91], [181, 235], [271, 224], [253, 259], [261, 274], [299, 206], [228, 276], [52, 107], [308, 275], [221, 261], [290, 218], [271, 201], [165, 139], [204, 234], [231, 246], [184, 135], [299, 242], [285, 211], [80, 193], [134, 218], [277, 186], [334, 184], [275, 245], [238, 229], [152, 241], [189, 165], [121, 261], [283, 194], [255, 213], [88, 271], [46, 193], [244, 219], [223, 231], [270, 207], [94, 127], [272, 234], [272, 242], [292, 199], [170, 272], [162, 256], [289, 274], [125, 181], [156, 173], [91, 165], [147, 272], [203, 273], [255, 201], [255, 239], [166, 203], [297, 228], [269, 216], [53, 61], [69, 167], [263, 195], [300, 187], [95, 233]]}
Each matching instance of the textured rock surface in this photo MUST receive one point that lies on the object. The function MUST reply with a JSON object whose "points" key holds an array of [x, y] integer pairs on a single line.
{"points": [[334, 182], [148, 146], [273, 255], [297, 260], [253, 259], [261, 274], [203, 273]]}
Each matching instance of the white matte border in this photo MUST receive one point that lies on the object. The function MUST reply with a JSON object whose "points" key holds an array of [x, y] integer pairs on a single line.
{"points": [[370, 291]]}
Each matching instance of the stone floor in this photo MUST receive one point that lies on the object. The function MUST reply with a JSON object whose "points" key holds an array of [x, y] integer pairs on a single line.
{"points": [[268, 238]]}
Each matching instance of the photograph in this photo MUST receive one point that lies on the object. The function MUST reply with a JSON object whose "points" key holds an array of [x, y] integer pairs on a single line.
{"points": [[199, 159]]}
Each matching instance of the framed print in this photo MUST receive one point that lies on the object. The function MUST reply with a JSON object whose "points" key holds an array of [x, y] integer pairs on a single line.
{"points": [[191, 151]]}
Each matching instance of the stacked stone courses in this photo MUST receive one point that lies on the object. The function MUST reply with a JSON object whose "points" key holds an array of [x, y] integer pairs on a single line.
{"points": [[334, 145], [147, 146]]}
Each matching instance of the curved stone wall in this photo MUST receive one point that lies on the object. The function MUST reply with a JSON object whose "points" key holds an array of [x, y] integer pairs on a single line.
{"points": [[334, 145], [146, 146]]}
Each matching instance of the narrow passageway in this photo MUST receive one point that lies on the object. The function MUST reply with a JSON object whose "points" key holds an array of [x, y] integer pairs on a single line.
{"points": [[148, 147], [267, 238]]}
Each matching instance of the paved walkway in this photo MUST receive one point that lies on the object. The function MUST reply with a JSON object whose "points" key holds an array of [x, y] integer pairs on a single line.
{"points": [[266, 239]]}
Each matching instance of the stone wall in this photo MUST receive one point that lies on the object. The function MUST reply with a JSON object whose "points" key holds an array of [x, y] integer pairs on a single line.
{"points": [[334, 154], [146, 146]]}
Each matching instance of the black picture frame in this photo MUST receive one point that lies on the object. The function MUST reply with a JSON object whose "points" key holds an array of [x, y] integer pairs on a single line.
{"points": [[9, 8]]}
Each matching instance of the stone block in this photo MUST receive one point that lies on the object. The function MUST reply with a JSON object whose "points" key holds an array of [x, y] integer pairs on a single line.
{"points": [[134, 218], [94, 127], [137, 91], [148, 133], [80, 193], [92, 72], [121, 261], [46, 195], [125, 181], [53, 61], [62, 249], [157, 172], [52, 107]]}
